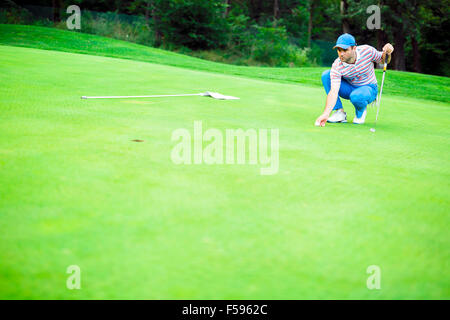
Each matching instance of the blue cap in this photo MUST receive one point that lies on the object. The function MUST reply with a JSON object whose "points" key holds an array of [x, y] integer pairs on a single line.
{"points": [[344, 41]]}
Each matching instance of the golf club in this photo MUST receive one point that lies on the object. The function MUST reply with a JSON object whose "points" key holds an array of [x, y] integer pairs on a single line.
{"points": [[379, 97], [214, 95]]}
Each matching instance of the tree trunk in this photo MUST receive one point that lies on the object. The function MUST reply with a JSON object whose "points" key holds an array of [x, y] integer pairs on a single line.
{"points": [[417, 67], [399, 38], [310, 22], [227, 6], [156, 22], [399, 45], [56, 4], [117, 4], [381, 39], [345, 21], [255, 9], [276, 10], [147, 14]]}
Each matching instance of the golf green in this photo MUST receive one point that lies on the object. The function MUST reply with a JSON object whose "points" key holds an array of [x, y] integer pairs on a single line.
{"points": [[76, 190]]}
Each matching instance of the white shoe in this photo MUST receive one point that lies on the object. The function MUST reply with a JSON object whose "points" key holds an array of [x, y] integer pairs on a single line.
{"points": [[339, 116], [360, 120]]}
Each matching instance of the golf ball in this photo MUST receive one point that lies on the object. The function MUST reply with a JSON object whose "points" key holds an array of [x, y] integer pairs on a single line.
{"points": [[372, 129]]}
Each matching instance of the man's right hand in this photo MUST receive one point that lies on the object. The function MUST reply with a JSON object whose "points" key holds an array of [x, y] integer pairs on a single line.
{"points": [[320, 122]]}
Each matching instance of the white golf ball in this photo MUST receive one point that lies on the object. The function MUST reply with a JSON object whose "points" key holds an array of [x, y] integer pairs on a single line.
{"points": [[372, 129]]}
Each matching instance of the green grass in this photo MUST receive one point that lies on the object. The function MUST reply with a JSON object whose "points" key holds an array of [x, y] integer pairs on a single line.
{"points": [[75, 190], [400, 83]]}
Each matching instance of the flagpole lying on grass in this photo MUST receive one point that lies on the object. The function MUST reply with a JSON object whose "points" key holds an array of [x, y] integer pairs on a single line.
{"points": [[214, 95]]}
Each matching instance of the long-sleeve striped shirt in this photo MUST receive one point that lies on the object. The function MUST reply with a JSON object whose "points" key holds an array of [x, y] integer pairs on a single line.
{"points": [[361, 72]]}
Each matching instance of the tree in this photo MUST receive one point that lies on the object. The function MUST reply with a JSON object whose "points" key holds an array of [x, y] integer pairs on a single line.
{"points": [[345, 19], [434, 42], [226, 5], [310, 21], [196, 24], [276, 10]]}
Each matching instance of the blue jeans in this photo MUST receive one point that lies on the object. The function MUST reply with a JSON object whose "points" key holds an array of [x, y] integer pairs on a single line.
{"points": [[359, 96]]}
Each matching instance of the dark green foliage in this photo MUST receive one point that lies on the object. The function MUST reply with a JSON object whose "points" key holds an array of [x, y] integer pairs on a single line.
{"points": [[259, 32], [118, 26], [196, 24], [13, 14], [271, 46]]}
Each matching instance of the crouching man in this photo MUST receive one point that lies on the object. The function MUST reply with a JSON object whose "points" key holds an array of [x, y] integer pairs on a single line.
{"points": [[352, 77]]}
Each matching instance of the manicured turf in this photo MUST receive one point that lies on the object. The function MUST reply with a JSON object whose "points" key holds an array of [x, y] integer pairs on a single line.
{"points": [[75, 190], [425, 86]]}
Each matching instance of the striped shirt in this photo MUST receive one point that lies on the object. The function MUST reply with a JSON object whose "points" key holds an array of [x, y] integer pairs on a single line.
{"points": [[361, 72]]}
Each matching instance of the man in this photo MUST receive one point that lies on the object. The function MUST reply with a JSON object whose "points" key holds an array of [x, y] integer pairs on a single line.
{"points": [[352, 77]]}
